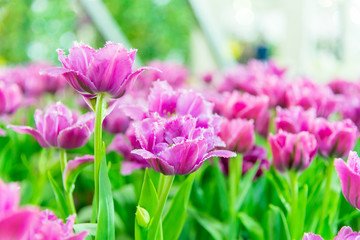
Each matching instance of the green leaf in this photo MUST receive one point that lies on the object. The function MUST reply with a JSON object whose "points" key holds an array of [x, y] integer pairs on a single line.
{"points": [[89, 227], [302, 203], [215, 228], [148, 200], [221, 183], [285, 226], [253, 227], [245, 185], [176, 216], [59, 196], [106, 219]]}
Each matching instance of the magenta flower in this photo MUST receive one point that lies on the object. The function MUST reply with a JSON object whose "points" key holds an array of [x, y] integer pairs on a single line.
{"points": [[10, 97], [311, 236], [294, 119], [345, 233], [341, 86], [125, 109], [292, 151], [50, 227], [349, 174], [335, 139], [59, 127], [174, 73], [124, 144], [175, 145], [308, 95], [237, 105], [90, 71], [238, 134]]}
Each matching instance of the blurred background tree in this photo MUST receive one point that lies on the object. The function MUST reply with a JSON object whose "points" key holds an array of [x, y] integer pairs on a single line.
{"points": [[33, 30]]}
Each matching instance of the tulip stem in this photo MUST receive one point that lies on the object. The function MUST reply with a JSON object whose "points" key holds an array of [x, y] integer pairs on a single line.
{"points": [[294, 227], [156, 221], [328, 174], [63, 159], [235, 165], [68, 193], [100, 109]]}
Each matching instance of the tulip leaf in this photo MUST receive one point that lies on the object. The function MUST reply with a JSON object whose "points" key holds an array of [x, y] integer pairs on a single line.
{"points": [[221, 183], [89, 227], [106, 218], [214, 227], [176, 216], [148, 200], [245, 185], [302, 202], [277, 210], [253, 227], [59, 196]]}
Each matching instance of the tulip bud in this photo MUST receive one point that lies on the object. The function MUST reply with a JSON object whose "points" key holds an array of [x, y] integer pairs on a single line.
{"points": [[142, 217]]}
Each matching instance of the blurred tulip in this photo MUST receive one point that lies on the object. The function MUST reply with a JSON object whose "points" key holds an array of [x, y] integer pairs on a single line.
{"points": [[349, 174], [91, 71], [292, 151], [175, 146], [238, 134], [124, 144], [10, 97], [59, 127], [294, 119], [311, 236], [335, 139]]}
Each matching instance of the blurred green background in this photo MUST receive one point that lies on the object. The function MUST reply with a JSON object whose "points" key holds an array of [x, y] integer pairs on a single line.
{"points": [[33, 30]]}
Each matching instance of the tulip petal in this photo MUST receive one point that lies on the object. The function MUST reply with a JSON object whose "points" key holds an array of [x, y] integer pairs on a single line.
{"points": [[349, 182], [73, 168], [35, 133], [74, 137], [220, 153], [19, 225], [311, 236]]}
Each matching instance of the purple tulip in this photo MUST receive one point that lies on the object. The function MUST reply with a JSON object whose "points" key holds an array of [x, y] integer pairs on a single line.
{"points": [[10, 97], [335, 139], [292, 151], [340, 86], [294, 119], [125, 109], [124, 144], [91, 71], [308, 95], [256, 154], [175, 145], [50, 227], [174, 73], [238, 134], [237, 105], [311, 236], [345, 233], [349, 174], [59, 127]]}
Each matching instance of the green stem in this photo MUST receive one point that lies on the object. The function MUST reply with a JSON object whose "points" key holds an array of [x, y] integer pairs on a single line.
{"points": [[294, 205], [161, 184], [63, 159], [154, 226], [99, 112], [235, 165], [68, 193], [325, 204]]}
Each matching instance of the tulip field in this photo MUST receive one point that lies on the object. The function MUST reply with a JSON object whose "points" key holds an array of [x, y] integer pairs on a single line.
{"points": [[96, 147]]}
